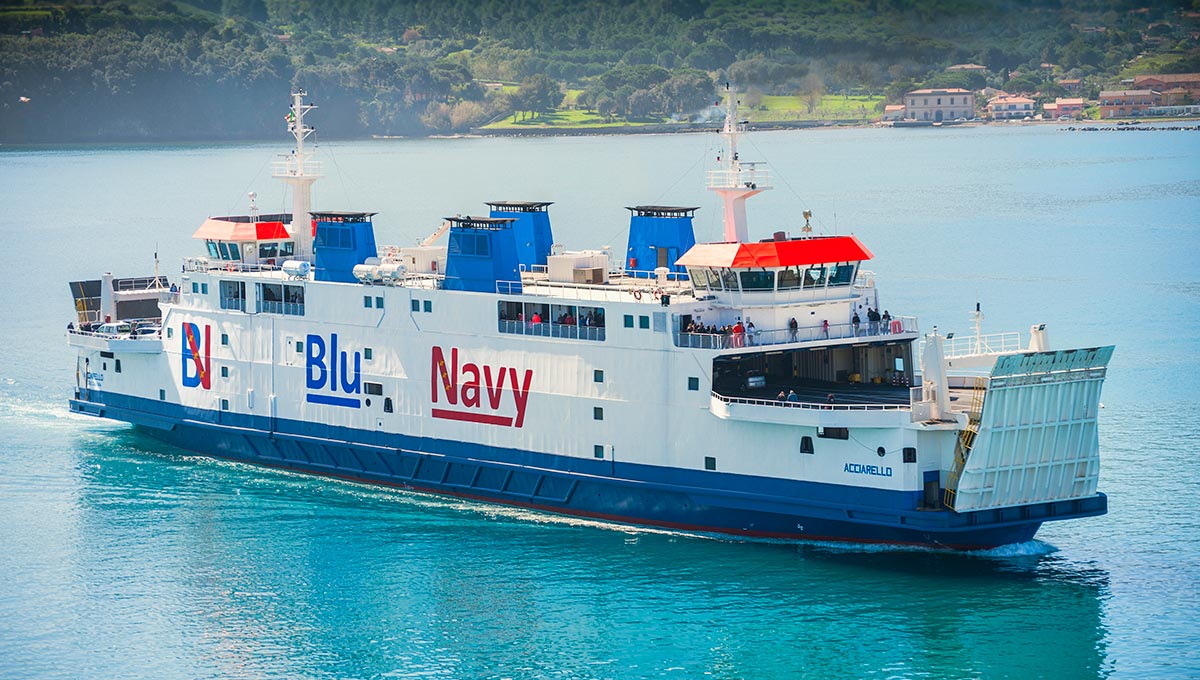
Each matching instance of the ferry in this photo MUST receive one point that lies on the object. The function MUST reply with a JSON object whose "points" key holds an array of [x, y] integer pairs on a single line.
{"points": [[747, 388]]}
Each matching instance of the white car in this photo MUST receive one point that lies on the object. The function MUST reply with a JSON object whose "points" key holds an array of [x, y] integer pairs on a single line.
{"points": [[115, 329]]}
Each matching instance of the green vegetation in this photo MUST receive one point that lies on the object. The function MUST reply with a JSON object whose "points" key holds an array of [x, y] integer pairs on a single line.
{"points": [[162, 69]]}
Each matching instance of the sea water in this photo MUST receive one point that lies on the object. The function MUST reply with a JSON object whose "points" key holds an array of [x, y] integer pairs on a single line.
{"points": [[122, 557]]}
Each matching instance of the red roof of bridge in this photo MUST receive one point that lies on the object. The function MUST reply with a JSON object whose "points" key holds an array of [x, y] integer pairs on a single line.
{"points": [[224, 230], [797, 252]]}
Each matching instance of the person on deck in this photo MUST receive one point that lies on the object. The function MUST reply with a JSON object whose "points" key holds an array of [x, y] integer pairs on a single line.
{"points": [[792, 397], [792, 328], [855, 321], [887, 322]]}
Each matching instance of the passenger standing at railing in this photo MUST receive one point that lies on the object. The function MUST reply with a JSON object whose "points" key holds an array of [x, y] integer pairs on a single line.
{"points": [[793, 327], [855, 321], [825, 328], [887, 322]]}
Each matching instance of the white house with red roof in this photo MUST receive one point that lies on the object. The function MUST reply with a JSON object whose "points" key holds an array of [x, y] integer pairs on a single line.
{"points": [[1009, 107]]}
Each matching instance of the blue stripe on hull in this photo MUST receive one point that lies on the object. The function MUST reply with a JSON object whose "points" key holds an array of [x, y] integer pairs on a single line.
{"points": [[623, 492]]}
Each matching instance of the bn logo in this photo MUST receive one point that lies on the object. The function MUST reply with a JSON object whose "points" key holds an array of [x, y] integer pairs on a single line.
{"points": [[195, 364]]}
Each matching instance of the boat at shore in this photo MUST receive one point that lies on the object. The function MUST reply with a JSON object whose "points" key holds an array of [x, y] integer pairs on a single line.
{"points": [[748, 388]]}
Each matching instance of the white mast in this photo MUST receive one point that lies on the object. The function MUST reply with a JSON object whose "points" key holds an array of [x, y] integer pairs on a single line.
{"points": [[299, 170], [735, 180]]}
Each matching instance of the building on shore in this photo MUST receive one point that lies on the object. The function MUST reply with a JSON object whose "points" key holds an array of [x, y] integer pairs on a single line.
{"points": [[967, 67], [893, 112], [1169, 81], [1010, 106], [1072, 107], [1071, 84], [939, 104], [1121, 103]]}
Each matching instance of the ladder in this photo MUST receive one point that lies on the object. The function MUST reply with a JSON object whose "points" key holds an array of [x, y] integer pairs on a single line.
{"points": [[966, 440]]}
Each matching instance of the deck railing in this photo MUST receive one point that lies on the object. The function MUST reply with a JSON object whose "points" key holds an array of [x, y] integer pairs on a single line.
{"points": [[812, 406], [553, 330], [783, 336]]}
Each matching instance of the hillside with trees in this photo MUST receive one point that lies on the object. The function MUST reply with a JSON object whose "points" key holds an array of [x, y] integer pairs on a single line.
{"points": [[220, 69]]}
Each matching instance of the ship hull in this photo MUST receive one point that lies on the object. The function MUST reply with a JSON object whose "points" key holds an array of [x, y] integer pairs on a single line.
{"points": [[703, 502]]}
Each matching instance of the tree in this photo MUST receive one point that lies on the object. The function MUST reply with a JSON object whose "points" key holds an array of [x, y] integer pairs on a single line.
{"points": [[812, 89], [541, 93]]}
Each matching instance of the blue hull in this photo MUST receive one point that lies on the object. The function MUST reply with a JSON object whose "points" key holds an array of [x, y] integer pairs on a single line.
{"points": [[689, 500]]}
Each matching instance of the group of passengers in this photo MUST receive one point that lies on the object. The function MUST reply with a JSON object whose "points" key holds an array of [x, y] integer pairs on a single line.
{"points": [[876, 322], [729, 335], [592, 318]]}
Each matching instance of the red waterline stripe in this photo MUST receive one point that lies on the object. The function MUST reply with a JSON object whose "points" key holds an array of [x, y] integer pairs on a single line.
{"points": [[472, 417]]}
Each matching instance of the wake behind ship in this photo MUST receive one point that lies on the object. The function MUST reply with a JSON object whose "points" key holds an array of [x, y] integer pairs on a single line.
{"points": [[746, 388]]}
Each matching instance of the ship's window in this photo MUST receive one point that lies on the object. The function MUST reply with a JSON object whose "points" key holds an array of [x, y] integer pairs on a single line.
{"points": [[234, 253], [170, 332], [899, 364], [162, 395], [710, 463], [195, 287], [416, 305], [814, 277], [629, 321], [789, 278], [224, 404], [225, 339], [103, 365], [387, 405], [334, 236], [728, 279], [368, 402], [465, 243], [644, 322], [597, 413], [299, 345], [224, 371], [429, 305], [204, 289], [598, 451], [693, 384], [367, 301], [287, 249], [212, 249], [598, 375], [841, 274], [224, 250], [233, 295], [763, 280], [881, 451], [107, 355], [373, 388], [806, 445], [833, 433], [117, 365], [268, 250], [378, 303], [293, 297], [910, 454], [368, 353]]}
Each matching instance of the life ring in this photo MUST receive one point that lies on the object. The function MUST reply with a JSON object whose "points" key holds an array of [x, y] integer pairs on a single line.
{"points": [[637, 295], [229, 267]]}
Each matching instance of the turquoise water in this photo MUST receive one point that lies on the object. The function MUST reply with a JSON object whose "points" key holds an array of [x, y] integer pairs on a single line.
{"points": [[121, 557]]}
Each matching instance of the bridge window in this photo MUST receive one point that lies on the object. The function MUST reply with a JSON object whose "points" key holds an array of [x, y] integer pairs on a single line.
{"points": [[728, 279], [789, 278], [268, 250], [814, 277], [761, 280], [841, 274]]}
